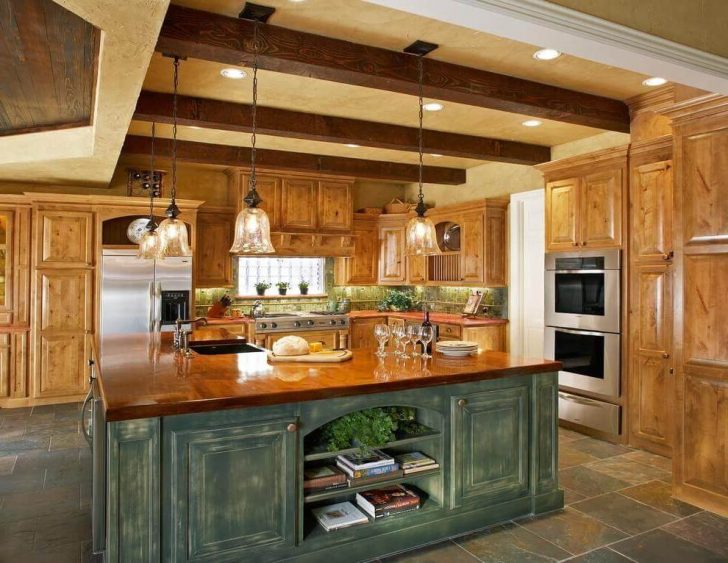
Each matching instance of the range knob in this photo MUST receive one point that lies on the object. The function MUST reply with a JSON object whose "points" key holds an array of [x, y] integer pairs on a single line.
{"points": [[273, 325], [296, 323], [332, 322], [342, 322], [309, 323], [263, 325]]}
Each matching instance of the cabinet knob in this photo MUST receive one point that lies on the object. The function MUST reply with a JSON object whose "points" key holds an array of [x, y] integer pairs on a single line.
{"points": [[462, 402], [668, 255], [666, 356], [574, 244], [583, 243], [292, 427], [671, 371]]}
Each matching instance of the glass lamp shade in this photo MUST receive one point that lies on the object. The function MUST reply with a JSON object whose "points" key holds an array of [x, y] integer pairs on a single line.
{"points": [[173, 238], [149, 245], [420, 237], [252, 232]]}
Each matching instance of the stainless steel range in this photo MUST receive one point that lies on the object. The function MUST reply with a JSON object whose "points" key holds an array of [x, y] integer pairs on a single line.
{"points": [[331, 329]]}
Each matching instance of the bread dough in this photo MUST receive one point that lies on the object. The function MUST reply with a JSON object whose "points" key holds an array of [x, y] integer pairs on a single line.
{"points": [[290, 346]]}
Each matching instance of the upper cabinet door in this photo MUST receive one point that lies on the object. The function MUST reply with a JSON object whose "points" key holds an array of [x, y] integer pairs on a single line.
{"points": [[601, 209], [335, 210], [417, 269], [65, 239], [472, 248], [363, 266], [652, 211], [298, 204], [213, 261], [269, 190], [496, 248], [562, 199], [6, 265], [391, 256]]}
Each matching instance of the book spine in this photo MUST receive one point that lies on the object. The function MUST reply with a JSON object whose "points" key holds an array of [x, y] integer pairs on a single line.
{"points": [[397, 504], [396, 511], [370, 465], [324, 482], [371, 472], [317, 489]]}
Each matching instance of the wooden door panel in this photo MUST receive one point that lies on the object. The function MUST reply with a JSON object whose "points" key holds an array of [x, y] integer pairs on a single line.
{"points": [[706, 310], [335, 211], [654, 413], [601, 209], [391, 255], [269, 190], [490, 434], [65, 238], [5, 365], [561, 214], [65, 299], [212, 251], [362, 332], [652, 211], [472, 248], [705, 205], [496, 247], [417, 269], [364, 264], [60, 365], [655, 308], [298, 204]]}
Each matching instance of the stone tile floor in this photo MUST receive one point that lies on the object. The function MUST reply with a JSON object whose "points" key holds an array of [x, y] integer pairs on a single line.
{"points": [[618, 505]]}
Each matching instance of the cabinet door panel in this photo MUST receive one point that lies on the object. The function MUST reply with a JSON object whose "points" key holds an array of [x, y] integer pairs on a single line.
{"points": [[561, 214], [60, 365], [652, 210], [335, 210], [212, 253], [233, 490], [391, 255], [417, 269], [5, 365], [490, 446], [472, 248], [362, 267], [65, 299], [496, 248], [6, 266], [362, 332], [601, 209], [65, 238], [298, 204], [269, 190]]}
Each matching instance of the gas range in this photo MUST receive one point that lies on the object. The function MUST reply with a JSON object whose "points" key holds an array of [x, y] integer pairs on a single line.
{"points": [[301, 321]]}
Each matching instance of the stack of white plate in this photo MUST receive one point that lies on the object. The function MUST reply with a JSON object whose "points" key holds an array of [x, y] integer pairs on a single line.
{"points": [[457, 348]]}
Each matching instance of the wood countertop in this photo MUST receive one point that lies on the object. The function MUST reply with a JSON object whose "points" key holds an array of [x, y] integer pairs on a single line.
{"points": [[141, 376], [437, 318]]}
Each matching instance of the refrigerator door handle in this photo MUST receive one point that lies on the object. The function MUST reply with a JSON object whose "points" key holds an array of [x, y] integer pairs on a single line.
{"points": [[158, 306], [151, 306]]}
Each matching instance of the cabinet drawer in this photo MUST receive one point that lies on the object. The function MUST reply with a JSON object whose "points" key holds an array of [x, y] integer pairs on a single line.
{"points": [[589, 412], [449, 331]]}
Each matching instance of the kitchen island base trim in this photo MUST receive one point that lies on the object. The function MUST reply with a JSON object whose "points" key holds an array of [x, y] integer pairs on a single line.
{"points": [[228, 485]]}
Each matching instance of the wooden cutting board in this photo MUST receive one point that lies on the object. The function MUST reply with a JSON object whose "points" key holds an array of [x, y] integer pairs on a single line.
{"points": [[326, 356]]}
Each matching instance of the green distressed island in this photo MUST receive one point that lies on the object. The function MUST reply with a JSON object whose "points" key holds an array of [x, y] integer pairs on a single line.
{"points": [[201, 458]]}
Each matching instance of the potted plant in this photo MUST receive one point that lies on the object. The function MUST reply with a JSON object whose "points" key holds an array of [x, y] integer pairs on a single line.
{"points": [[303, 287], [283, 287], [396, 300], [260, 287]]}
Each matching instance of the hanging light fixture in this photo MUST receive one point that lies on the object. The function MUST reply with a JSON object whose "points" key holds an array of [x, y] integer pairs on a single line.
{"points": [[172, 231], [149, 244], [252, 227], [420, 235]]}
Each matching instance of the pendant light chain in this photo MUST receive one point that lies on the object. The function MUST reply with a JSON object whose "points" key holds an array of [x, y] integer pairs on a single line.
{"points": [[419, 131], [174, 129], [253, 178], [151, 184]]}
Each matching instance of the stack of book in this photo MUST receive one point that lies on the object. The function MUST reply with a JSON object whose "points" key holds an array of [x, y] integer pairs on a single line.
{"points": [[414, 462], [323, 478], [379, 503], [339, 515], [371, 467]]}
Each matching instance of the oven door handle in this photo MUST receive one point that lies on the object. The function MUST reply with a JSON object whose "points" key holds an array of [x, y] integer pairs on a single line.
{"points": [[586, 332], [582, 271], [578, 400]]}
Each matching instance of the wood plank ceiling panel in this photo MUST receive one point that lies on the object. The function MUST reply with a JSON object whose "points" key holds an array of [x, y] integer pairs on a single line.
{"points": [[48, 59]]}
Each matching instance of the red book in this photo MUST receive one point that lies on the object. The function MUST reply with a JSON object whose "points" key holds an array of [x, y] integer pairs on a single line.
{"points": [[379, 502]]}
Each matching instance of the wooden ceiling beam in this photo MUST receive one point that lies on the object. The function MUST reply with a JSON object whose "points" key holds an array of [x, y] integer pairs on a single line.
{"points": [[230, 116], [225, 155], [212, 37]]}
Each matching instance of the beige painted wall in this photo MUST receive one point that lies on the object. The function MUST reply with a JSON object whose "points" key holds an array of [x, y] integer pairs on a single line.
{"points": [[376, 194], [696, 23], [590, 144]]}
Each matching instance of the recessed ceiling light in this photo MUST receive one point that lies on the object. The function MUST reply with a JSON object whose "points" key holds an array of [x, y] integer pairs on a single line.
{"points": [[546, 54], [432, 106], [234, 73], [531, 123], [352, 146], [435, 155], [654, 81]]}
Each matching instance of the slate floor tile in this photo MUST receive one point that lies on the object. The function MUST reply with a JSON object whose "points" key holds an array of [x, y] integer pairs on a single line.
{"points": [[569, 457], [67, 440], [663, 547], [629, 471], [573, 531], [7, 463], [17, 536], [599, 448], [510, 542], [57, 530], [658, 494], [37, 459], [601, 555], [623, 513], [647, 458], [571, 496], [705, 529], [69, 553], [566, 435], [445, 551], [18, 444], [18, 506], [22, 481], [588, 482]]}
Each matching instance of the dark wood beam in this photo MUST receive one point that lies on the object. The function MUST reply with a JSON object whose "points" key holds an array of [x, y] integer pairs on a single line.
{"points": [[230, 116], [212, 37], [225, 155]]}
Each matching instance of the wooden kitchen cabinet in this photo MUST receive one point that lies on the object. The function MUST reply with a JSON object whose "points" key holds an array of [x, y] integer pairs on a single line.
{"points": [[362, 332], [298, 204], [269, 190], [585, 202], [472, 248], [496, 243], [392, 263], [335, 209], [213, 261], [362, 268], [417, 270], [65, 238], [651, 201]]}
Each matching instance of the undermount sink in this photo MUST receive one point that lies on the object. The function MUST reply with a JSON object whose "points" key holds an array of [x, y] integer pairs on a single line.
{"points": [[210, 348]]}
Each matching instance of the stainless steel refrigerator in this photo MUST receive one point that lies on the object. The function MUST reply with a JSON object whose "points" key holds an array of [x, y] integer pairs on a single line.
{"points": [[143, 295]]}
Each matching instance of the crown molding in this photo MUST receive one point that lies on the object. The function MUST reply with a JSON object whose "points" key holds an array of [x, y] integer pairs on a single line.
{"points": [[593, 159], [657, 145], [582, 35], [656, 100]]}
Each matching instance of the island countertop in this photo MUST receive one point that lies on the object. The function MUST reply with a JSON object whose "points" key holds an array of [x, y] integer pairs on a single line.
{"points": [[141, 376]]}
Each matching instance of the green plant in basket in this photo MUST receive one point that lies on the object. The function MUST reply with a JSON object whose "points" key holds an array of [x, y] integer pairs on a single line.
{"points": [[397, 300]]}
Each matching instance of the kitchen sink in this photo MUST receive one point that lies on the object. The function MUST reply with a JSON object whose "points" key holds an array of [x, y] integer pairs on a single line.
{"points": [[211, 347]]}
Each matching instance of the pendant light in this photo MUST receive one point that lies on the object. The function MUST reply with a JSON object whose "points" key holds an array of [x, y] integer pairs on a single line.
{"points": [[172, 231], [149, 244], [252, 227], [420, 235]]}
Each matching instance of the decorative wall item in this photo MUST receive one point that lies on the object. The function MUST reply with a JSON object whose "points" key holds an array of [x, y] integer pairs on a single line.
{"points": [[139, 182]]}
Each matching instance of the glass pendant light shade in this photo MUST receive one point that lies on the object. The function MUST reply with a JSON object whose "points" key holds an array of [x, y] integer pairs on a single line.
{"points": [[252, 232], [420, 237], [149, 245], [173, 238]]}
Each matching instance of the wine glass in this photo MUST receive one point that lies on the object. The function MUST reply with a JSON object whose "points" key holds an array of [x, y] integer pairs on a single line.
{"points": [[399, 334], [382, 334], [427, 334], [414, 332]]}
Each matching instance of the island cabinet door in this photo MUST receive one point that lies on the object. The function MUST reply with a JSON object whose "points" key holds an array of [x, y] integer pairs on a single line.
{"points": [[489, 446], [233, 492]]}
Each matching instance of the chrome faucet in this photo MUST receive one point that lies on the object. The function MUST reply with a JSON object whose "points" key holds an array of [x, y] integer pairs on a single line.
{"points": [[257, 310], [178, 332]]}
